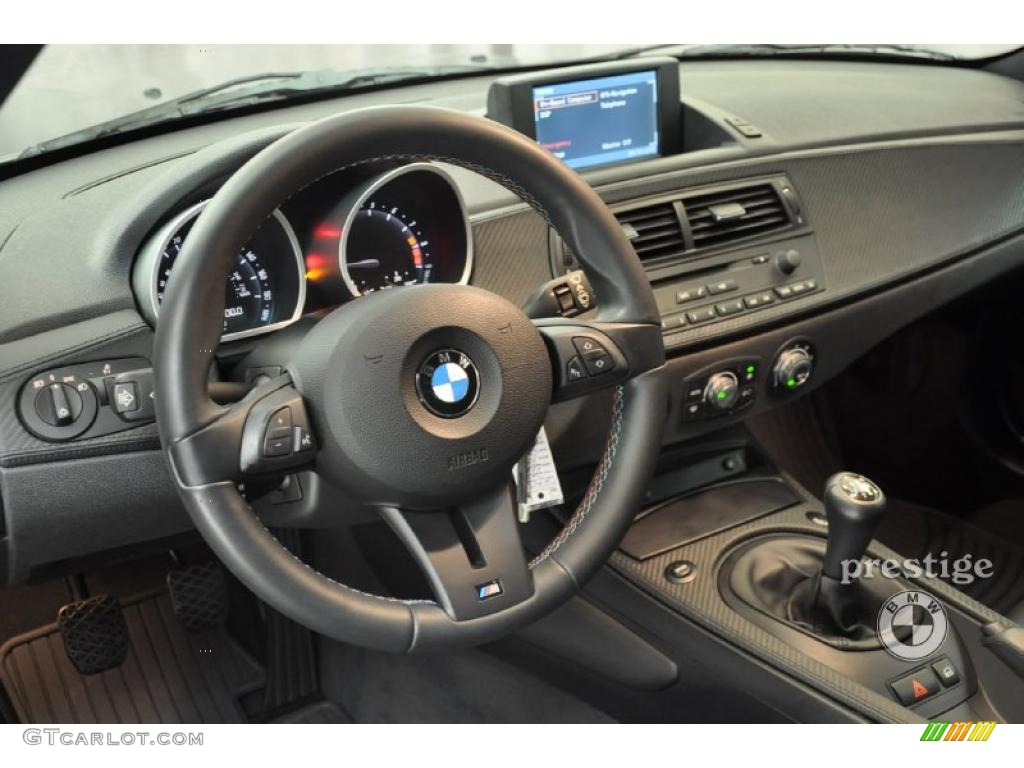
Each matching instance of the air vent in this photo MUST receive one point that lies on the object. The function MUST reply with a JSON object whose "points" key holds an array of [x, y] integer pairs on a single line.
{"points": [[653, 230], [683, 226], [718, 218]]}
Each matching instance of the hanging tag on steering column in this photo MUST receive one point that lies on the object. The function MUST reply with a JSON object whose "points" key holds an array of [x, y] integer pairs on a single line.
{"points": [[537, 485]]}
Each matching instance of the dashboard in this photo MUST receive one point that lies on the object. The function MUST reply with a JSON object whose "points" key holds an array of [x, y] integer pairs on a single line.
{"points": [[863, 208]]}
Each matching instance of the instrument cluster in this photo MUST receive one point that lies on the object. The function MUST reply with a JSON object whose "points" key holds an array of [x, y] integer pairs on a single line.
{"points": [[339, 239]]}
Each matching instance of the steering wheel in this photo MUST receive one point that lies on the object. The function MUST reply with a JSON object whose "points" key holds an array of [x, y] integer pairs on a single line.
{"points": [[417, 401]]}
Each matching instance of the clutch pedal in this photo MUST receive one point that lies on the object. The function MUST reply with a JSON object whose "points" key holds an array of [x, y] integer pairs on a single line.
{"points": [[95, 634], [199, 596]]}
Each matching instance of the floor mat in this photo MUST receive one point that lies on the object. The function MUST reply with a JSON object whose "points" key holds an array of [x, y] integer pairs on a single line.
{"points": [[169, 676]]}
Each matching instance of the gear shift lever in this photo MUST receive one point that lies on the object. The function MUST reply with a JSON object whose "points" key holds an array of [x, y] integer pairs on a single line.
{"points": [[854, 507]]}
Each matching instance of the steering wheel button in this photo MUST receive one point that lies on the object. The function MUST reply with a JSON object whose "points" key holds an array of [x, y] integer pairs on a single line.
{"points": [[585, 345], [302, 440], [280, 421], [277, 446], [574, 370], [598, 362]]}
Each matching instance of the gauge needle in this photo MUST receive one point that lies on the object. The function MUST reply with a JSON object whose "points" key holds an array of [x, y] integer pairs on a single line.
{"points": [[365, 264]]}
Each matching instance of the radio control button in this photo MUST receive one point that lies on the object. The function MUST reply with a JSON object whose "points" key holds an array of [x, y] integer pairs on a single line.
{"points": [[673, 321], [723, 286], [729, 307], [798, 288], [788, 261], [701, 315], [759, 300], [691, 294]]}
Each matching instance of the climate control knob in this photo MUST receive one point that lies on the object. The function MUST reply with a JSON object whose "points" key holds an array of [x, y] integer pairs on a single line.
{"points": [[722, 390], [793, 368]]}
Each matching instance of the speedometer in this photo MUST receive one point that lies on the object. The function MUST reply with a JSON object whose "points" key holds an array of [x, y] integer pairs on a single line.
{"points": [[265, 288], [405, 227]]}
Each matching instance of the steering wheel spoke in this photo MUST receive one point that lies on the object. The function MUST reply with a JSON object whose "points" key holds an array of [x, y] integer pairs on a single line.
{"points": [[471, 555], [266, 432], [591, 356]]}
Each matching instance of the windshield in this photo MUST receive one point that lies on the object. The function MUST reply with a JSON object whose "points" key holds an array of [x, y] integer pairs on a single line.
{"points": [[76, 93]]}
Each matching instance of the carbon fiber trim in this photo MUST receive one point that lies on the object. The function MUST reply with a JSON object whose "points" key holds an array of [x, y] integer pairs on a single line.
{"points": [[699, 600], [122, 334], [511, 255]]}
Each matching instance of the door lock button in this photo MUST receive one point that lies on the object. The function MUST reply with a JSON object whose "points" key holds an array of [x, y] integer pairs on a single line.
{"points": [[947, 672]]}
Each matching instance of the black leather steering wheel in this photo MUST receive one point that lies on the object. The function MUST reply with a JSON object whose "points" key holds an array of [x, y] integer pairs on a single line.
{"points": [[358, 413]]}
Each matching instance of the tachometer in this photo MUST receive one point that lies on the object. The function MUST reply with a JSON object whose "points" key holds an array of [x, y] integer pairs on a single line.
{"points": [[265, 289], [405, 227], [390, 247]]}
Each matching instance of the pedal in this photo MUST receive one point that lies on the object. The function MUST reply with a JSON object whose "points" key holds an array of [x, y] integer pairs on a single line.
{"points": [[95, 634], [199, 596]]}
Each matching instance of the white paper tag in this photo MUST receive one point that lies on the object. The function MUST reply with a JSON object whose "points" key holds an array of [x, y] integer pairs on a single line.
{"points": [[537, 485]]}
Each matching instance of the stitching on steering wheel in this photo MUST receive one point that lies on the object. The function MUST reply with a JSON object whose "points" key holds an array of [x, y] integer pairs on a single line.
{"points": [[596, 484], [308, 567]]}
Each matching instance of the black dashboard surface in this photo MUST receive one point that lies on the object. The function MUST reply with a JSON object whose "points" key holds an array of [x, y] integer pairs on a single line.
{"points": [[64, 217], [903, 172]]}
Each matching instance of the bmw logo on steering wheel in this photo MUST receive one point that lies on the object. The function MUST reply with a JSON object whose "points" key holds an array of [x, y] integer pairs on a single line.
{"points": [[448, 383]]}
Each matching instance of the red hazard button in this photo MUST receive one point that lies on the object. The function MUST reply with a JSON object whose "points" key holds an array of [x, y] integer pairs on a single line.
{"points": [[915, 687]]}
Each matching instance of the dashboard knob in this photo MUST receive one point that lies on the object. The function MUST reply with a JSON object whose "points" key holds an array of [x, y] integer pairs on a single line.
{"points": [[722, 390], [58, 405], [788, 261], [793, 368]]}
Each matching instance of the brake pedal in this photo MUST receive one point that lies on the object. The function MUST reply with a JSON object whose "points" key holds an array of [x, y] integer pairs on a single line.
{"points": [[95, 634], [199, 596]]}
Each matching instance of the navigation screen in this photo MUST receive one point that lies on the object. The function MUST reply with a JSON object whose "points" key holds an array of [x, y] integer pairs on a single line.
{"points": [[600, 121]]}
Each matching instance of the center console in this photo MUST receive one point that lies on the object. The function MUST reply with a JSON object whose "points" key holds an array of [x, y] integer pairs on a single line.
{"points": [[757, 560]]}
